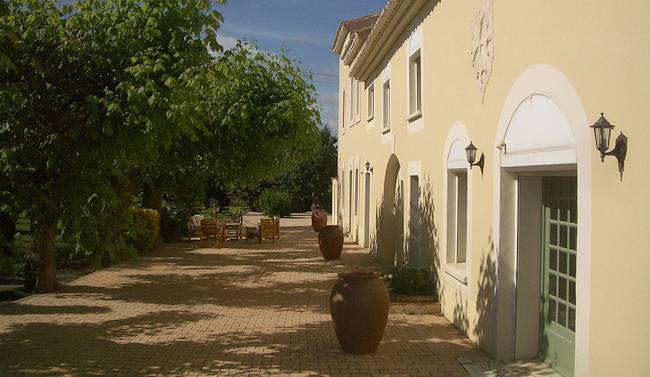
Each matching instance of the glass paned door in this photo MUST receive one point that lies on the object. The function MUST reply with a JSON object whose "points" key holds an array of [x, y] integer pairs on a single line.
{"points": [[559, 274]]}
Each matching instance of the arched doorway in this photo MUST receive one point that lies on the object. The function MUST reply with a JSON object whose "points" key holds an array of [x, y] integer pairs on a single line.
{"points": [[390, 227], [542, 183]]}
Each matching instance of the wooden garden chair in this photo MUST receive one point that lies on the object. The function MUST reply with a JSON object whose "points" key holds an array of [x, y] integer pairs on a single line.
{"points": [[210, 228], [233, 229], [276, 226], [267, 229], [194, 227]]}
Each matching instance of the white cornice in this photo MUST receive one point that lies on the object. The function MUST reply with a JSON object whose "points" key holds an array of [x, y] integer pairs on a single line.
{"points": [[393, 20], [348, 27]]}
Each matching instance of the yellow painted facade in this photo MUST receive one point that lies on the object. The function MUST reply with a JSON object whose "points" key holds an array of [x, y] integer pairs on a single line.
{"points": [[588, 57]]}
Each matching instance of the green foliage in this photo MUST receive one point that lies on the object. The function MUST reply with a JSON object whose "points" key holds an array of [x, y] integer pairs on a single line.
{"points": [[144, 229], [410, 281], [99, 97], [236, 212], [275, 203], [260, 113], [92, 94], [311, 179], [173, 223]]}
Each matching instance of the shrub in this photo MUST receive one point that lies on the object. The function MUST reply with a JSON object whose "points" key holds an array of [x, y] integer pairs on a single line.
{"points": [[173, 223], [410, 281], [275, 203], [144, 228]]}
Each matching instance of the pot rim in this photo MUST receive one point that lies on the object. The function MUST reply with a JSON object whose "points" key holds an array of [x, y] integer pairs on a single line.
{"points": [[330, 226], [359, 275]]}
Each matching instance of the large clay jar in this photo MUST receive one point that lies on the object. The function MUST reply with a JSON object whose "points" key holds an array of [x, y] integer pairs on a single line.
{"points": [[330, 241], [359, 308], [318, 219]]}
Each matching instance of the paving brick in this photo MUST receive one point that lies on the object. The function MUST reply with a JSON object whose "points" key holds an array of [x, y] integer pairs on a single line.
{"points": [[190, 309]]}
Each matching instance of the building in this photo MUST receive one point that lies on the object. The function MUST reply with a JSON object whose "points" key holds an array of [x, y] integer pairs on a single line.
{"points": [[543, 251]]}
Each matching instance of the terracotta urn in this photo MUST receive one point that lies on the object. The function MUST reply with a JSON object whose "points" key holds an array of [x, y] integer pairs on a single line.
{"points": [[330, 241], [359, 307], [318, 219]]}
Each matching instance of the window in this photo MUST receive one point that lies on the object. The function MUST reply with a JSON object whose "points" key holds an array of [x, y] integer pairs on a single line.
{"points": [[371, 101], [352, 102], [357, 103], [343, 110], [415, 84], [457, 223], [386, 105], [356, 191]]}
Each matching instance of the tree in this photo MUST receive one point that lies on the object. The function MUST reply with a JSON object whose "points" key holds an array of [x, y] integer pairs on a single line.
{"points": [[259, 117], [311, 180], [6, 64], [100, 90]]}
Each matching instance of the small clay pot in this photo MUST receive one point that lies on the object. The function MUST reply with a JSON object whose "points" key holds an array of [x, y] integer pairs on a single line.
{"points": [[318, 219], [359, 307], [330, 241]]}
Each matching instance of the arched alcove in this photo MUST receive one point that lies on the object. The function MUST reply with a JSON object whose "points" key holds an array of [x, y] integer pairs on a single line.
{"points": [[538, 134], [387, 222], [542, 139]]}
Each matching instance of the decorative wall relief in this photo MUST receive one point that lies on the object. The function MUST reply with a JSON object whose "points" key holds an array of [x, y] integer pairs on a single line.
{"points": [[482, 52]]}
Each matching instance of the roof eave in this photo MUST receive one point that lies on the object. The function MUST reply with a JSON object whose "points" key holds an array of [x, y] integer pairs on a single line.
{"points": [[395, 18], [349, 26]]}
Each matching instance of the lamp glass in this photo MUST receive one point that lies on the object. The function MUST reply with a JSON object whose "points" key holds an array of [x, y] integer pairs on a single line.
{"points": [[471, 153], [602, 132]]}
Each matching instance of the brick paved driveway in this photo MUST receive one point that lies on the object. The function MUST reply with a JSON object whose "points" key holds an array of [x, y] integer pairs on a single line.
{"points": [[189, 309]]}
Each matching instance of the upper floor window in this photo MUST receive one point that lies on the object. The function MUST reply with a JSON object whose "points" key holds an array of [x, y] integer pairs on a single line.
{"points": [[415, 84], [343, 109], [356, 101], [386, 107], [371, 101], [352, 96]]}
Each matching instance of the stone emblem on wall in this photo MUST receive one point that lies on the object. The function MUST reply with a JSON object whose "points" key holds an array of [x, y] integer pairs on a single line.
{"points": [[482, 52]]}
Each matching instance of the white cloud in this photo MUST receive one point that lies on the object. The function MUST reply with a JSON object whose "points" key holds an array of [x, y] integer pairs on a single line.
{"points": [[226, 41], [300, 38]]}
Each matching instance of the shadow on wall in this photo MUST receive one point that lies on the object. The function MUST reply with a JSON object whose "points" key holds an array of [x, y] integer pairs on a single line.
{"points": [[423, 232], [484, 327], [339, 199], [426, 242], [387, 244], [399, 246], [386, 231]]}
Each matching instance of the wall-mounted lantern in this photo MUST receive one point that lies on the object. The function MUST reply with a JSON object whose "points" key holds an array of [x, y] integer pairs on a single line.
{"points": [[471, 157], [369, 167], [602, 132]]}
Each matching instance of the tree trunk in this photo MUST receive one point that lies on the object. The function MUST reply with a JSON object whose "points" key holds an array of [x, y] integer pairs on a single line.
{"points": [[45, 247], [151, 197]]}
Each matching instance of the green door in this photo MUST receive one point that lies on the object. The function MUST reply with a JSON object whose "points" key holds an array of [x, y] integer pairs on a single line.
{"points": [[559, 273]]}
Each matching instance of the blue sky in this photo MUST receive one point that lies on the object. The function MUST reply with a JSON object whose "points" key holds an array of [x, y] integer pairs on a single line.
{"points": [[305, 27]]}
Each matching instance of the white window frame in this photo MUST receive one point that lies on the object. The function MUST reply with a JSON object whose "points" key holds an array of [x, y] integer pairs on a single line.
{"points": [[357, 101], [457, 230], [343, 109], [351, 102], [386, 103], [415, 85], [371, 101], [455, 165]]}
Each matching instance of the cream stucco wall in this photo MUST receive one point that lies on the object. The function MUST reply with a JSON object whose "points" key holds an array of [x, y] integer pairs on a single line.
{"points": [[603, 50]]}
